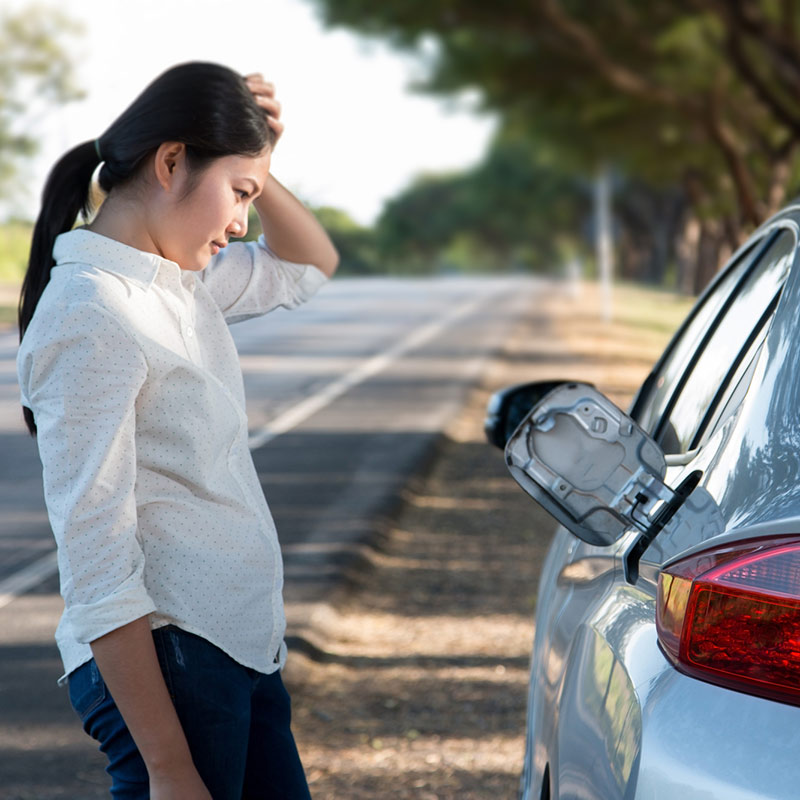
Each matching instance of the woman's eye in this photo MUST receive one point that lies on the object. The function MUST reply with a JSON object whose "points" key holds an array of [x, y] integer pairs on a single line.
{"points": [[243, 193]]}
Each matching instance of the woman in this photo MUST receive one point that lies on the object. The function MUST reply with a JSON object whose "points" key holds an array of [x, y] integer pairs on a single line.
{"points": [[172, 633]]}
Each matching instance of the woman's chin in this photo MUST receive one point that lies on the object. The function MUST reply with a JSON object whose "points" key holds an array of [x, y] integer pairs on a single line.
{"points": [[196, 264]]}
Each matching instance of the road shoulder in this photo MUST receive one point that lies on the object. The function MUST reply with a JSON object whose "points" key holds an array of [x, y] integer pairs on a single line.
{"points": [[417, 674]]}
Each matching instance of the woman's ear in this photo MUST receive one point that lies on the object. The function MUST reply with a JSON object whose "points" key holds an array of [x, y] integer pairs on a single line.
{"points": [[169, 161]]}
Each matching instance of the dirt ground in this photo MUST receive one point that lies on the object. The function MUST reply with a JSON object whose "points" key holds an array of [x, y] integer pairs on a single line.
{"points": [[420, 688]]}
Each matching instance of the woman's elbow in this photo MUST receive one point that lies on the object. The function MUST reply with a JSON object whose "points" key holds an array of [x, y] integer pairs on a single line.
{"points": [[328, 262]]}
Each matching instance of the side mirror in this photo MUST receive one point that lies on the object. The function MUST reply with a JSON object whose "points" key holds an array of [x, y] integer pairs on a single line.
{"points": [[507, 408], [592, 467]]}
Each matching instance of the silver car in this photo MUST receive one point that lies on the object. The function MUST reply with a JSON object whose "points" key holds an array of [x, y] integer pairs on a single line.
{"points": [[666, 662]]}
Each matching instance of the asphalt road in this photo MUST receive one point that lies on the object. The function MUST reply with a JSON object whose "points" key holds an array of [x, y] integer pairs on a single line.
{"points": [[346, 397]]}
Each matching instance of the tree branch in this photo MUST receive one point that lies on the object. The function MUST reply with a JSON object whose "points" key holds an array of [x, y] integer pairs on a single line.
{"points": [[789, 21], [747, 72], [625, 80], [779, 176], [778, 44], [722, 135], [619, 76]]}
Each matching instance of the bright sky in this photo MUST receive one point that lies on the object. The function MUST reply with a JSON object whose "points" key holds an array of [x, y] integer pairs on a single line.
{"points": [[355, 135]]}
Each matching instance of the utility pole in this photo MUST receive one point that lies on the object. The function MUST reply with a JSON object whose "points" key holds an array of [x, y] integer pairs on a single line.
{"points": [[603, 242]]}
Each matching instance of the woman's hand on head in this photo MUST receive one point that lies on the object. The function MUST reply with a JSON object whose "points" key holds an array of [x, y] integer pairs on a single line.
{"points": [[264, 93]]}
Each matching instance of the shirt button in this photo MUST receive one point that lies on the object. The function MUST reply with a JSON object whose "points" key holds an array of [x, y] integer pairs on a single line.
{"points": [[189, 330]]}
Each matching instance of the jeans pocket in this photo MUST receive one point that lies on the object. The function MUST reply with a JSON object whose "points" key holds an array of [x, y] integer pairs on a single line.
{"points": [[87, 689]]}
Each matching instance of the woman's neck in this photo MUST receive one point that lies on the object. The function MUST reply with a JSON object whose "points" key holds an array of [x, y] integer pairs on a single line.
{"points": [[122, 220]]}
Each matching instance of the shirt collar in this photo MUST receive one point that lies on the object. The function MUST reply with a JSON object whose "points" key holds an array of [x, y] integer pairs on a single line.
{"points": [[83, 246]]}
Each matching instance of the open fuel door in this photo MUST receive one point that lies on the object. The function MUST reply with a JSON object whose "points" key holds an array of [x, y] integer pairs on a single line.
{"points": [[597, 472]]}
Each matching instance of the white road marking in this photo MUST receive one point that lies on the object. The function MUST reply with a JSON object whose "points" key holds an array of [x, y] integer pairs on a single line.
{"points": [[299, 413], [28, 577], [21, 581]]}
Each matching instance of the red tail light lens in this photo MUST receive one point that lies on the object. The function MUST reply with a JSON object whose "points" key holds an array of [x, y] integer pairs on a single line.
{"points": [[731, 616]]}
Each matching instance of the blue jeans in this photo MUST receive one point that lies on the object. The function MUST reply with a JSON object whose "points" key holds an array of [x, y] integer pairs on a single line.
{"points": [[236, 721]]}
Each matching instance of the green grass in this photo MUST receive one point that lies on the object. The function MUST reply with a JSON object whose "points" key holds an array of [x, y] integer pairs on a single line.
{"points": [[15, 241], [8, 315]]}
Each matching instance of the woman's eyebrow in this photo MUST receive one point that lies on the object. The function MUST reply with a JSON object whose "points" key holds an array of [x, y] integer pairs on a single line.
{"points": [[256, 187]]}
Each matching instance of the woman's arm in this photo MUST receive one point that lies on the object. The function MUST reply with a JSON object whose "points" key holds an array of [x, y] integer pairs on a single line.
{"points": [[128, 663], [291, 230]]}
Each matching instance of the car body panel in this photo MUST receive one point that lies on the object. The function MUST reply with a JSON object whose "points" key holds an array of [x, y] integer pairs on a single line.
{"points": [[609, 717], [702, 741]]}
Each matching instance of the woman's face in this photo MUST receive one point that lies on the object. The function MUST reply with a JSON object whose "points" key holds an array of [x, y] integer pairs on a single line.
{"points": [[193, 229]]}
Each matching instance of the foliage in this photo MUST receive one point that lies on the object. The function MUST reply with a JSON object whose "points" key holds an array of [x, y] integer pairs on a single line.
{"points": [[702, 93], [355, 243], [513, 210], [15, 242], [36, 71]]}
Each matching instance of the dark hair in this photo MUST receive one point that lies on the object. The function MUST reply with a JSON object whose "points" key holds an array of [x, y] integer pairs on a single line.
{"points": [[206, 106]]}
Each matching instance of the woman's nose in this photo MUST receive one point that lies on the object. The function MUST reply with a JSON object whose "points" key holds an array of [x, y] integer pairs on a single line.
{"points": [[238, 227]]}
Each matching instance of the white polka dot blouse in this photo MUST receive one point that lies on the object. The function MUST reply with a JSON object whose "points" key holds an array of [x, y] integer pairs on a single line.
{"points": [[136, 388]]}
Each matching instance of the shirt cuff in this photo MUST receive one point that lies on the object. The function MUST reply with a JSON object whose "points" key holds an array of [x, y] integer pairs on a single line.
{"points": [[93, 620], [308, 278], [310, 282]]}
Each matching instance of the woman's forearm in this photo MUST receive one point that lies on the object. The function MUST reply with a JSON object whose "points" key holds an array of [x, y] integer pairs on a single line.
{"points": [[128, 663], [292, 231]]}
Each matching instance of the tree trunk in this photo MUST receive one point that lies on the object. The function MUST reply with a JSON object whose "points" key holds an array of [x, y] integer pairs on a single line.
{"points": [[779, 177], [713, 250], [686, 251]]}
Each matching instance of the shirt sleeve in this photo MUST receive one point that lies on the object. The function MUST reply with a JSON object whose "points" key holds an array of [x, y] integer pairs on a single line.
{"points": [[247, 279], [82, 384]]}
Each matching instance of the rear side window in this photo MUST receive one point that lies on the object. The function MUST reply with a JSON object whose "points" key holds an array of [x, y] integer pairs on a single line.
{"points": [[652, 407], [737, 388], [732, 339]]}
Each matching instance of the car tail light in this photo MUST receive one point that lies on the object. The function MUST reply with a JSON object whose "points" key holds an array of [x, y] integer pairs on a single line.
{"points": [[731, 616]]}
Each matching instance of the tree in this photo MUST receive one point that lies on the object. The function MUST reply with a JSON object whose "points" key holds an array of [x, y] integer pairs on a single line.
{"points": [[701, 93], [515, 209], [356, 244], [36, 71]]}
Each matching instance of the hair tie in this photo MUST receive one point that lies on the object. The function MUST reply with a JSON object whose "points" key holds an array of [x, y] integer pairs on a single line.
{"points": [[97, 149]]}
